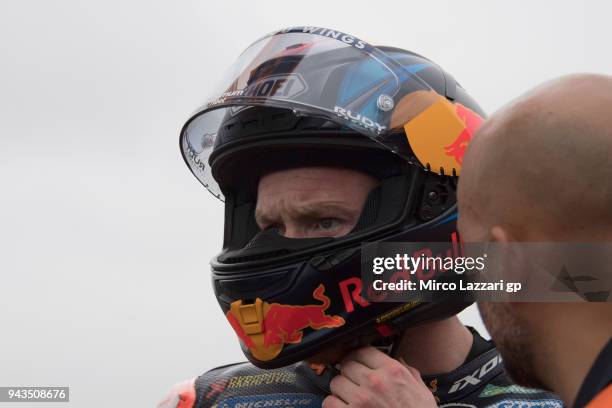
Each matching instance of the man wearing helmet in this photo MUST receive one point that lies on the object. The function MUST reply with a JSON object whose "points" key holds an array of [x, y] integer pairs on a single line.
{"points": [[318, 141]]}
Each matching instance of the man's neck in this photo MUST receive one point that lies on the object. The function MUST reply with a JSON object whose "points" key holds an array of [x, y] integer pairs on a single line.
{"points": [[567, 358], [436, 348]]}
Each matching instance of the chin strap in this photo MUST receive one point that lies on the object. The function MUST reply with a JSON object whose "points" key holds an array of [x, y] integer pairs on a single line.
{"points": [[387, 344], [396, 345]]}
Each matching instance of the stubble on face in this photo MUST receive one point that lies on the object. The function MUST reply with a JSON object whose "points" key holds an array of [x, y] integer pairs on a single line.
{"points": [[513, 341]]}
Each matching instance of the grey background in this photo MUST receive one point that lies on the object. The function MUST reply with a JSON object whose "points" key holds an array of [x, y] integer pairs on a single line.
{"points": [[105, 236]]}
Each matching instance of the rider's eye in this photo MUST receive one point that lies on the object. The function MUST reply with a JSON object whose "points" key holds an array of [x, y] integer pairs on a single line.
{"points": [[274, 228], [328, 223]]}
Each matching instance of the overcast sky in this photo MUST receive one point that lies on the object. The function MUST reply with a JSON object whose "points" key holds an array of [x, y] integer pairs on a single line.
{"points": [[105, 236]]}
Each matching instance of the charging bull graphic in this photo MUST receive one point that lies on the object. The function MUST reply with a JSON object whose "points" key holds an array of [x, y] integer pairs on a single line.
{"points": [[472, 122], [266, 327], [438, 131]]}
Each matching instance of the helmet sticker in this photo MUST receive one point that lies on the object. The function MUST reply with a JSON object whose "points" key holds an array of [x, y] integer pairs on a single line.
{"points": [[439, 135], [265, 328], [359, 119]]}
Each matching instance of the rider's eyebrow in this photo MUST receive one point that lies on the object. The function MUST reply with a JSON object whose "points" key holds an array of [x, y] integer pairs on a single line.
{"points": [[309, 210], [322, 209]]}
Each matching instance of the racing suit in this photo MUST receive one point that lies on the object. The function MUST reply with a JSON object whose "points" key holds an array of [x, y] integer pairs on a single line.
{"points": [[479, 382]]}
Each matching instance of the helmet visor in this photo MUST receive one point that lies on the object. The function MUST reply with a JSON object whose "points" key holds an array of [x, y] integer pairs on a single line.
{"points": [[332, 75]]}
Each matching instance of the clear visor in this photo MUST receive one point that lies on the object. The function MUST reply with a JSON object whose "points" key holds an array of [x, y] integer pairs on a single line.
{"points": [[328, 74]]}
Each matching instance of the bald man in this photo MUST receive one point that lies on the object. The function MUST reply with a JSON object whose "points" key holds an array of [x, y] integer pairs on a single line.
{"points": [[540, 170]]}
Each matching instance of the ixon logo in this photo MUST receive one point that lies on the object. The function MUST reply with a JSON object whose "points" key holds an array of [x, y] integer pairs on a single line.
{"points": [[476, 377]]}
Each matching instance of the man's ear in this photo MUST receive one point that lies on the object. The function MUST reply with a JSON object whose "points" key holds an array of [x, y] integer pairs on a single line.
{"points": [[500, 234]]}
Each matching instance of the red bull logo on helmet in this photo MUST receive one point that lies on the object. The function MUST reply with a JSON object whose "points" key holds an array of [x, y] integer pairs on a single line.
{"points": [[266, 327], [440, 133], [472, 122]]}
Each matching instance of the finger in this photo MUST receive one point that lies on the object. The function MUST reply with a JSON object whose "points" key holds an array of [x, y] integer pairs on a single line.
{"points": [[413, 371], [355, 371], [343, 388], [369, 356], [333, 402]]}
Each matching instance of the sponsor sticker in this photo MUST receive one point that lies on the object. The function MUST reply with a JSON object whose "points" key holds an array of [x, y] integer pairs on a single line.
{"points": [[494, 390], [293, 400], [326, 32], [514, 403], [359, 119], [281, 86], [266, 327]]}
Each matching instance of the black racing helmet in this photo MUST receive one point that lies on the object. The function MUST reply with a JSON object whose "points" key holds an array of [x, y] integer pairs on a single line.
{"points": [[310, 96]]}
